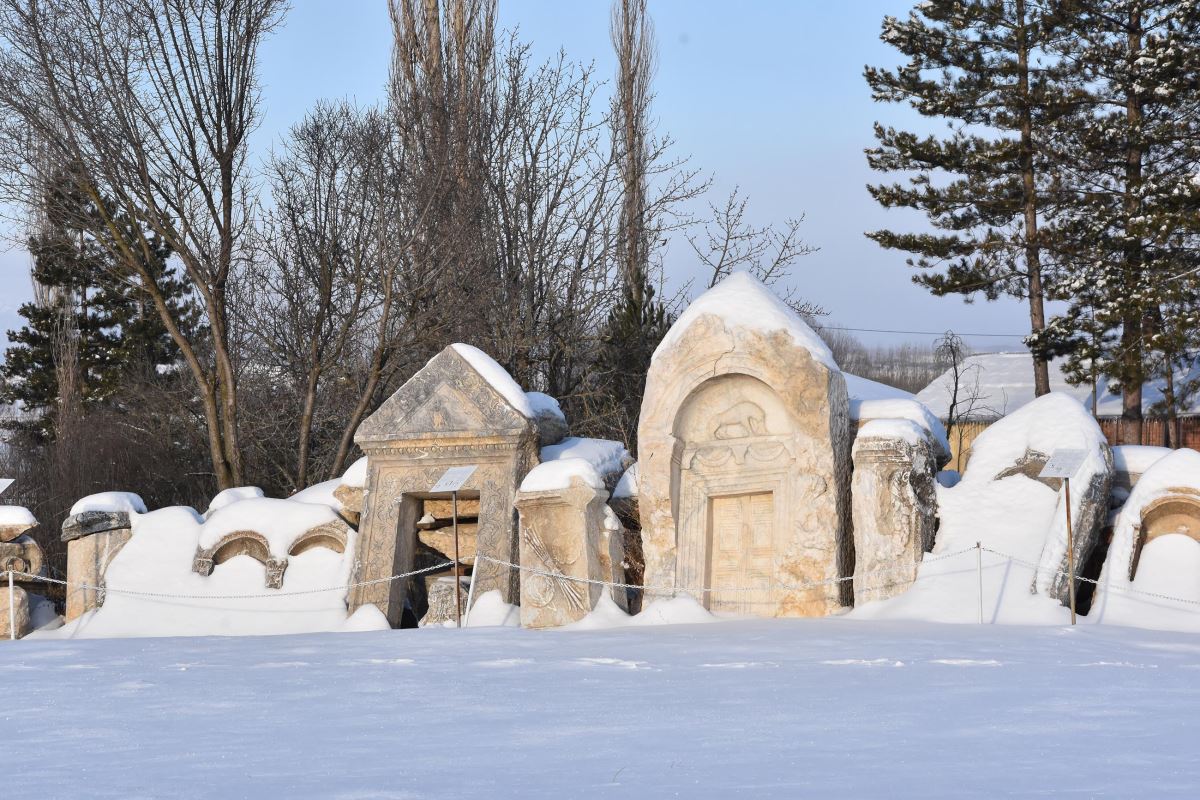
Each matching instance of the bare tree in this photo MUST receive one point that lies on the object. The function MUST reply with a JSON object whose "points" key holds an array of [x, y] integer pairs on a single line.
{"points": [[152, 102], [728, 242], [319, 279]]}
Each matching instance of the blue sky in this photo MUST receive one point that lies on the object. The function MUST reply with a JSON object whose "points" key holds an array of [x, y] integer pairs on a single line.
{"points": [[768, 96]]}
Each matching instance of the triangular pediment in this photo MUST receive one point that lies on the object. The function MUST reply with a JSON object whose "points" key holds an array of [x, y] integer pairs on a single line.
{"points": [[446, 398]]}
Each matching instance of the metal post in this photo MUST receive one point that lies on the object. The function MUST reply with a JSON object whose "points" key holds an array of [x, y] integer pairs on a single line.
{"points": [[12, 608], [1070, 548], [457, 581], [979, 575], [471, 588]]}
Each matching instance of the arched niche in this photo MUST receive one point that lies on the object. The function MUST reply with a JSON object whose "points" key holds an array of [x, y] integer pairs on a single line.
{"points": [[328, 537], [1173, 514], [241, 543], [736, 487]]}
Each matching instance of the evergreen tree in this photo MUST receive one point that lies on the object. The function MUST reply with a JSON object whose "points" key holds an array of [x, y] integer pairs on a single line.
{"points": [[1130, 229], [980, 65], [635, 326], [89, 326]]}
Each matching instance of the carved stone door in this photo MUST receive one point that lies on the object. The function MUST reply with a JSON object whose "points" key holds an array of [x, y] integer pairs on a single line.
{"points": [[741, 552]]}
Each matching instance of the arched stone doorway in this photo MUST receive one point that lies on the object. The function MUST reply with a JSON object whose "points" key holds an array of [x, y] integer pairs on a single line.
{"points": [[1173, 514]]}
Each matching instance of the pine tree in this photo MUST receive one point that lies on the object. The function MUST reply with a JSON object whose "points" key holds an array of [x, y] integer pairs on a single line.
{"points": [[1130, 228], [88, 326], [982, 66], [635, 326]]}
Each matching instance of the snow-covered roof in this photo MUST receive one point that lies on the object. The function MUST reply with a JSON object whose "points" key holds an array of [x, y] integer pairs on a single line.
{"points": [[742, 301], [1003, 382]]}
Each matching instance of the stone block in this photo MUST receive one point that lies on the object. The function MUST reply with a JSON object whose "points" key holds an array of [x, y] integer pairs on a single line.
{"points": [[441, 600], [570, 532], [22, 555], [894, 507], [87, 559], [18, 600]]}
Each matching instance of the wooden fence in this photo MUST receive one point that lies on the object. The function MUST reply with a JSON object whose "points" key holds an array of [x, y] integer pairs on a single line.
{"points": [[1154, 432]]}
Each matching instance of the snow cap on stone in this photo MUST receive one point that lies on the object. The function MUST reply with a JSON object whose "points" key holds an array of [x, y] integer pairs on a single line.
{"points": [[112, 502], [743, 301], [497, 377]]}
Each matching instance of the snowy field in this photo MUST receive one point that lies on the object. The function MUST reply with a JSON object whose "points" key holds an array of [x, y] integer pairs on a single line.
{"points": [[778, 708]]}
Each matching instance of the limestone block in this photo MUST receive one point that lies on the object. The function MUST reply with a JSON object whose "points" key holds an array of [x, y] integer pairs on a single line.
{"points": [[22, 611], [351, 498], [441, 600], [22, 554], [570, 532], [744, 459], [87, 559], [894, 507]]}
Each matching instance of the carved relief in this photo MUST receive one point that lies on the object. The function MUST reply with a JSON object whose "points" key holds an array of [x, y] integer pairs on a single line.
{"points": [[446, 415], [744, 455]]}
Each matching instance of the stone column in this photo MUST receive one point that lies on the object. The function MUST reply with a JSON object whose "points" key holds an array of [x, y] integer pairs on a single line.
{"points": [[569, 532], [894, 507], [93, 538]]}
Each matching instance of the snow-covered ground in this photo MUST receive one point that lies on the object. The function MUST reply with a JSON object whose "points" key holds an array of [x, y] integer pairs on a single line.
{"points": [[771, 708]]}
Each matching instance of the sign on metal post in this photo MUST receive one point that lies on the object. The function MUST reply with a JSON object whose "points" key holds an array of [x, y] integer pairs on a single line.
{"points": [[451, 481], [5, 483], [1063, 463], [1066, 464]]}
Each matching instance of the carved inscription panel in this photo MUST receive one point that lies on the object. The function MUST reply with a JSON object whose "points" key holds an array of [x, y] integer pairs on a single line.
{"points": [[742, 552]]}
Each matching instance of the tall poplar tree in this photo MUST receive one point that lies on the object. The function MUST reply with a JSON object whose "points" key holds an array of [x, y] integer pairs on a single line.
{"points": [[986, 186]]}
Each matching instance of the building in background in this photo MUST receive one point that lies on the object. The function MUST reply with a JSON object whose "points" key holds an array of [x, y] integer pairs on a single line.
{"points": [[992, 385]]}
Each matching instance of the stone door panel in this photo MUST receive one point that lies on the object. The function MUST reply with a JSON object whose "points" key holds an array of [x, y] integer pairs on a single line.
{"points": [[742, 552]]}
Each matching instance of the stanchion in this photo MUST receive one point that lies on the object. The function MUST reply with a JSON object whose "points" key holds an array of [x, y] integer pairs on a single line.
{"points": [[1070, 548], [12, 608], [979, 575]]}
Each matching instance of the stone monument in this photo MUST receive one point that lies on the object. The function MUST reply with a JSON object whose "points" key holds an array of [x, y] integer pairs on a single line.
{"points": [[460, 409], [744, 459]]}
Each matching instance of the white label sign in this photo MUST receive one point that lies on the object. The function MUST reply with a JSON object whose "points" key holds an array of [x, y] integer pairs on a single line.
{"points": [[1063, 464], [453, 480], [5, 483]]}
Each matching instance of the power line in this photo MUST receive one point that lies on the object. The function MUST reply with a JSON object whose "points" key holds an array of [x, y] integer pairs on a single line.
{"points": [[920, 333]]}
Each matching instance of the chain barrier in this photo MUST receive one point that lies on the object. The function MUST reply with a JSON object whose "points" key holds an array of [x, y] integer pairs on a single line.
{"points": [[671, 590], [1109, 588]]}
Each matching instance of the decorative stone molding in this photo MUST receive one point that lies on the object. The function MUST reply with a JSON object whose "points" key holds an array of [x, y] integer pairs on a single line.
{"points": [[446, 415], [570, 532], [242, 543], [894, 508]]}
